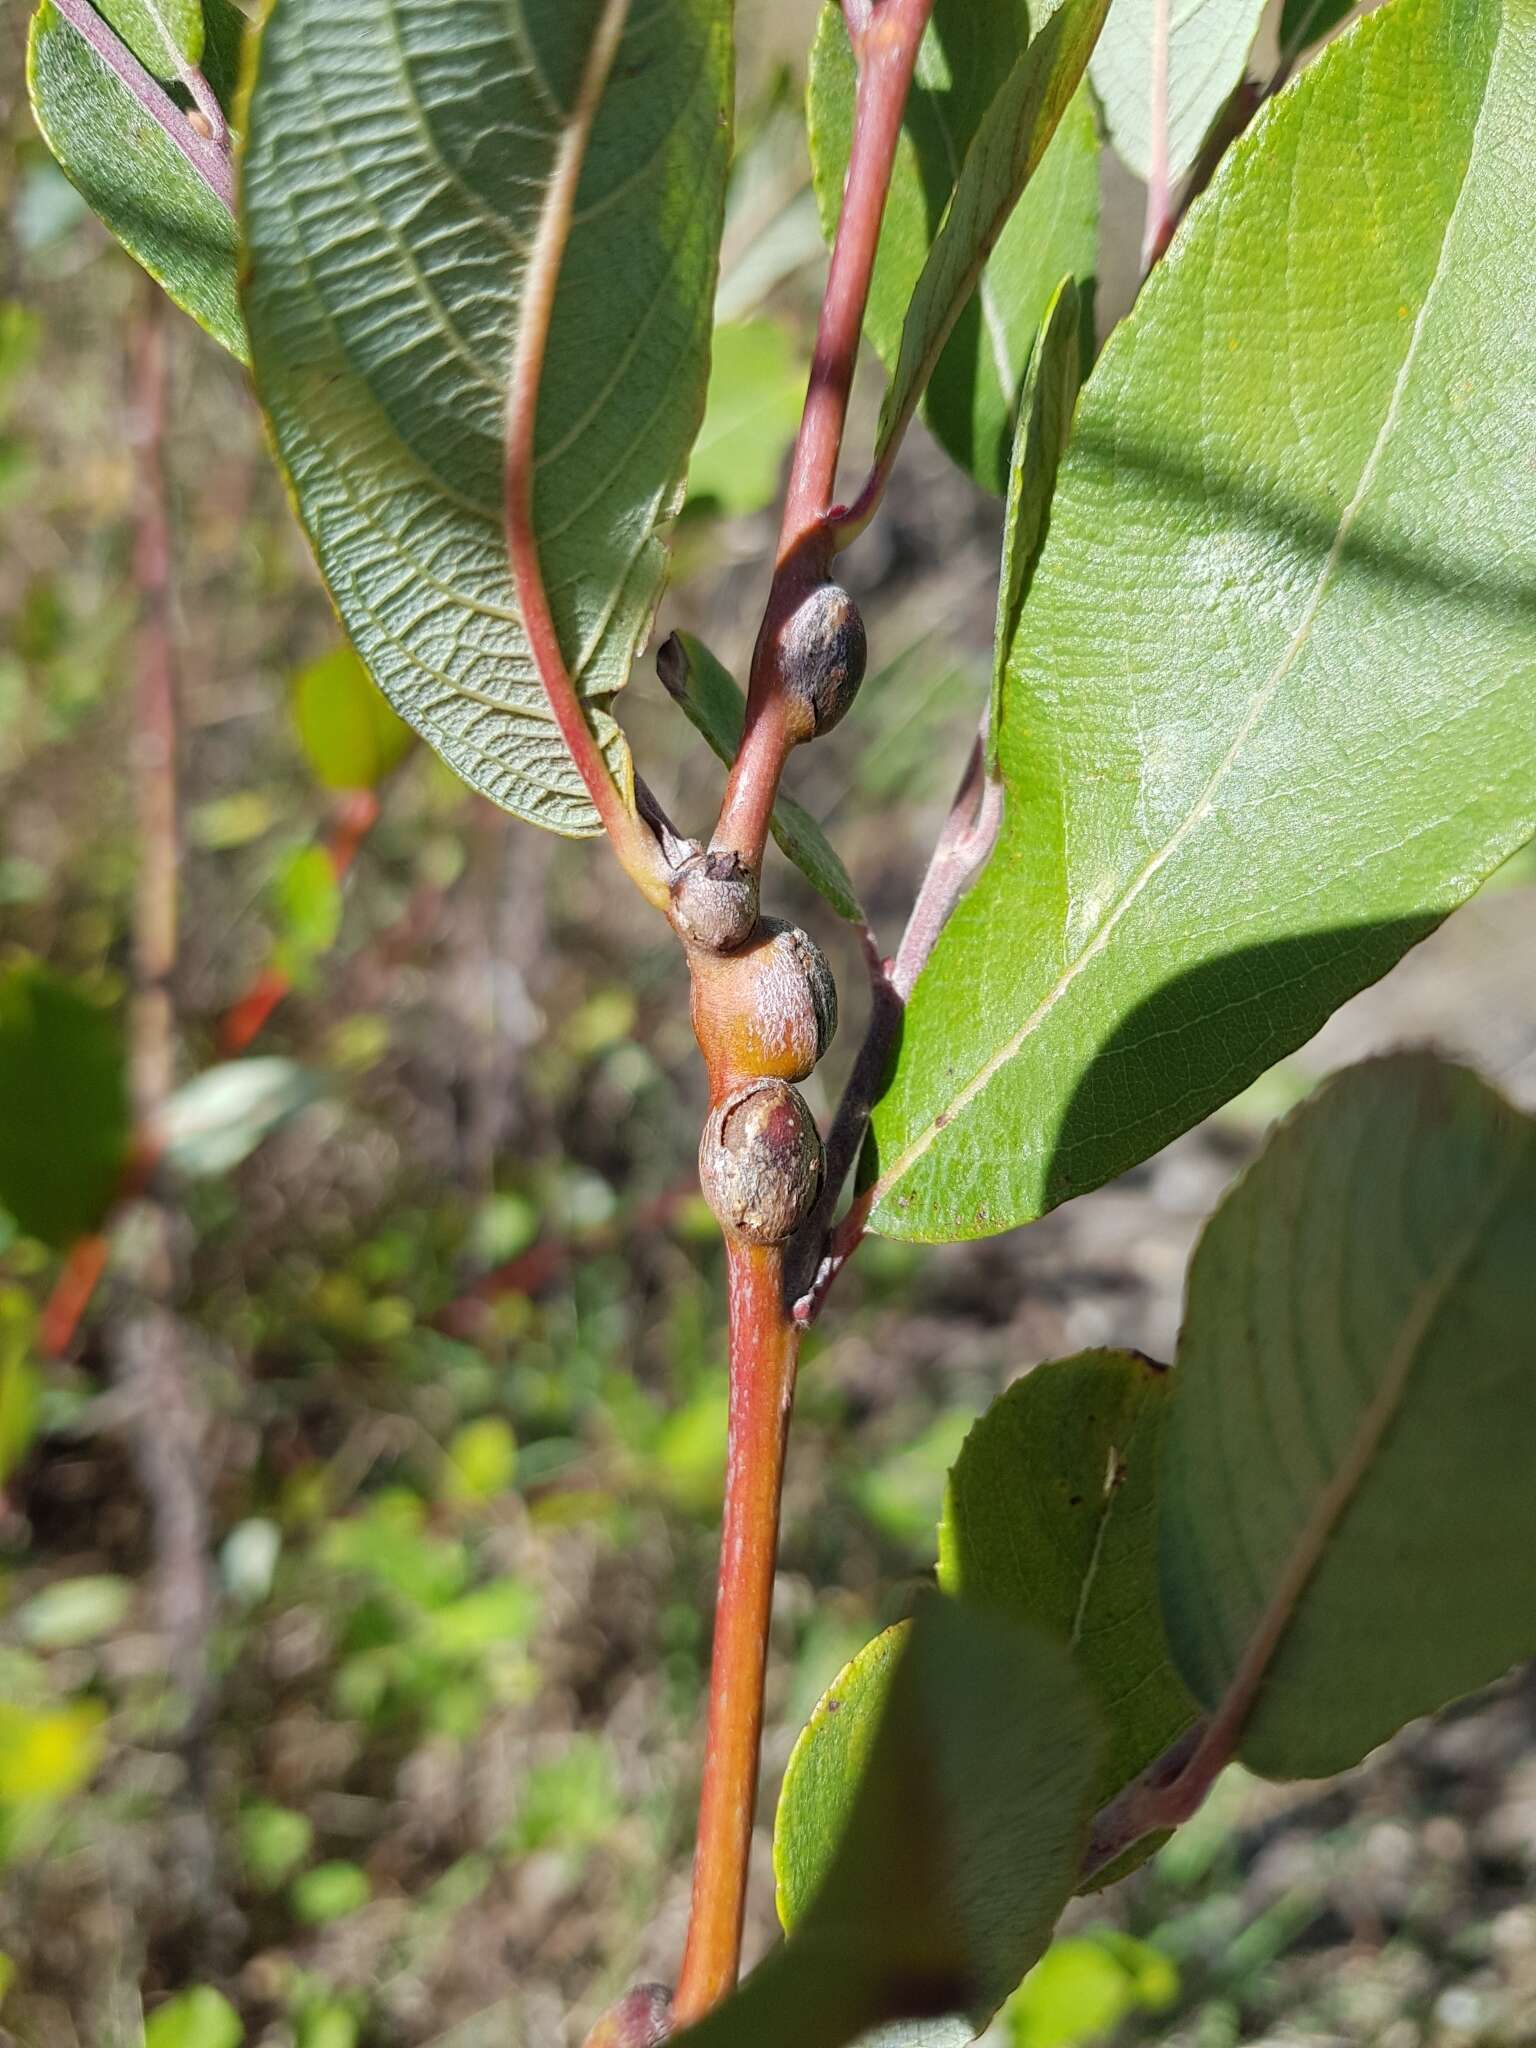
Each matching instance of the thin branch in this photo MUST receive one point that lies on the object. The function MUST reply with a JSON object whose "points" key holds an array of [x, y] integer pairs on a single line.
{"points": [[356, 814], [1168, 1791], [962, 849], [636, 848], [886, 48], [764, 1345], [208, 155], [1160, 217]]}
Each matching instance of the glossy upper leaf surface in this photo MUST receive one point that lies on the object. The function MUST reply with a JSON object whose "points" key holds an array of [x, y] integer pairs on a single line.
{"points": [[399, 160], [64, 1120], [1268, 715], [1051, 1517], [1346, 1489], [966, 55], [925, 1862], [1208, 47], [144, 189]]}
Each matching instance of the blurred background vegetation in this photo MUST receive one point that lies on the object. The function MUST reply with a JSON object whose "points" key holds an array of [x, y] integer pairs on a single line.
{"points": [[453, 1409]]}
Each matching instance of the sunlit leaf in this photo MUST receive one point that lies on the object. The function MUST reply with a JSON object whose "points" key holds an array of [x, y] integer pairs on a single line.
{"points": [[1208, 47]]}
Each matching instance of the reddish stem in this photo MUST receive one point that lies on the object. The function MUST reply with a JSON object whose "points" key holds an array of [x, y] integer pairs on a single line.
{"points": [[357, 812], [885, 40], [764, 1344], [1160, 218]]}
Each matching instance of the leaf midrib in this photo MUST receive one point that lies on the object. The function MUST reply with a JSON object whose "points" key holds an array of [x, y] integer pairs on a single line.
{"points": [[1263, 698], [1310, 1546]]}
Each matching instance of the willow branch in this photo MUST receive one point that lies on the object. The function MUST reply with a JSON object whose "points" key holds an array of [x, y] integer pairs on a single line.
{"points": [[636, 848], [885, 41], [764, 1345]]}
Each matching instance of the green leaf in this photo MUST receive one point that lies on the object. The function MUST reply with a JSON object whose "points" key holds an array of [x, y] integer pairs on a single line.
{"points": [[1208, 47], [480, 1462], [756, 388], [1081, 1989], [350, 735], [711, 697], [219, 1117], [968, 50], [20, 1382], [163, 212], [1039, 442], [329, 1892], [49, 1753], [203, 2018], [399, 160], [274, 1841], [64, 1122], [1268, 716], [74, 1612], [1348, 1524], [1051, 1517], [159, 32], [1006, 152], [928, 1835]]}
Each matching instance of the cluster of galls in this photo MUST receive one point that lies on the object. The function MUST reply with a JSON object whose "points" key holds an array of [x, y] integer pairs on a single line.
{"points": [[764, 1001]]}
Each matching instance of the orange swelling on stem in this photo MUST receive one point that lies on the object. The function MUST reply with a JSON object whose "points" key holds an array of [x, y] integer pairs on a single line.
{"points": [[763, 1351]]}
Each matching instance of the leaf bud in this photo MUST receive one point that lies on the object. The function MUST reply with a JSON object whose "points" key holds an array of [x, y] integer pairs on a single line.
{"points": [[714, 902], [641, 2019], [760, 1161], [769, 1010], [822, 651]]}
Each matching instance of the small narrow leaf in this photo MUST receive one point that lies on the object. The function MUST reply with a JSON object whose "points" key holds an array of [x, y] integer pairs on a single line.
{"points": [[1039, 442], [711, 697], [218, 1118], [925, 1856], [346, 727], [64, 1119], [163, 211], [1002, 158], [1208, 47], [1051, 1517], [1348, 1523], [398, 164], [966, 56], [1257, 568]]}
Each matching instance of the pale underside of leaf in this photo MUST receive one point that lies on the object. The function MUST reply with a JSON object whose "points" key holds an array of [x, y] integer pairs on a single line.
{"points": [[399, 157]]}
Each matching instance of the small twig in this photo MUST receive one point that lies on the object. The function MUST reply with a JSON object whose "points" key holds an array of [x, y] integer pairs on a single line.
{"points": [[1168, 1791], [356, 814], [632, 841], [961, 851], [209, 154], [1160, 218]]}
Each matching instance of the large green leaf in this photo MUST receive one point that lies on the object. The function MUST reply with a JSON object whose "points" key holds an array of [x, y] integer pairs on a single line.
{"points": [[756, 390], [1051, 1517], [162, 33], [1208, 47], [967, 56], [1269, 711], [147, 189], [711, 697], [399, 159], [1348, 1520], [64, 1119], [926, 1846]]}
